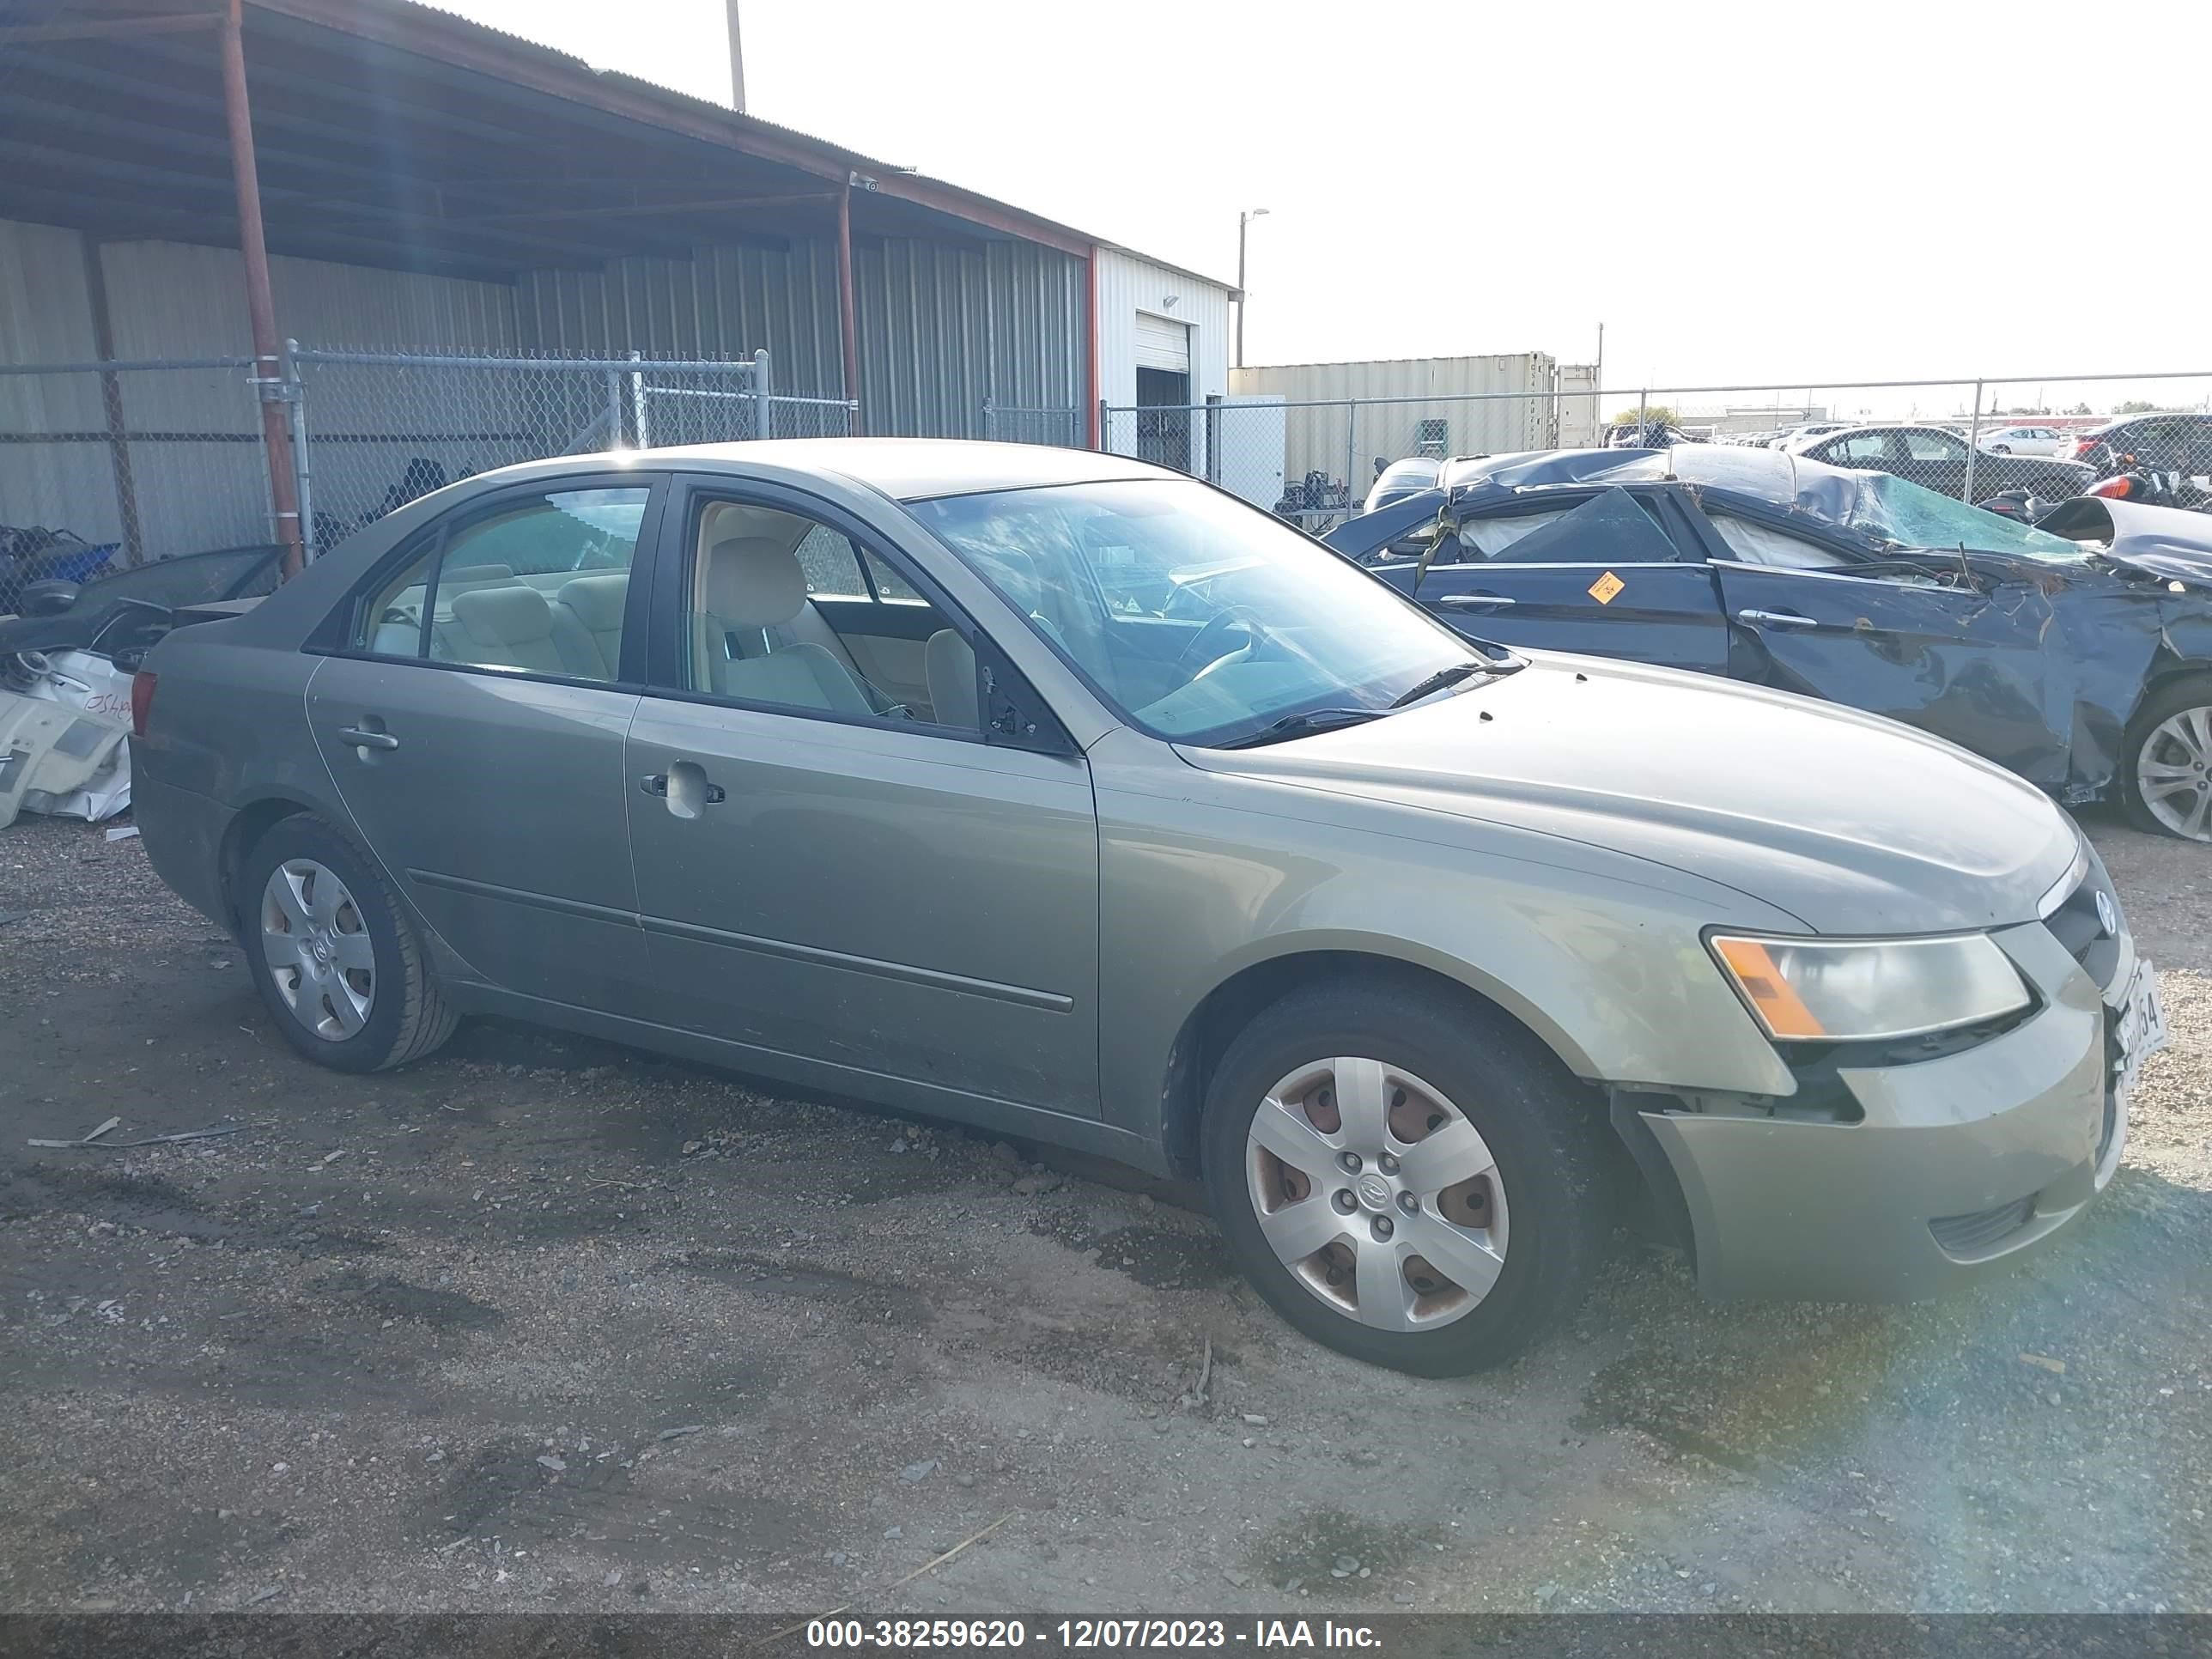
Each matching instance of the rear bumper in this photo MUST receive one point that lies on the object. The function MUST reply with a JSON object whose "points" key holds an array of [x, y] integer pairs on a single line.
{"points": [[1960, 1166], [184, 835]]}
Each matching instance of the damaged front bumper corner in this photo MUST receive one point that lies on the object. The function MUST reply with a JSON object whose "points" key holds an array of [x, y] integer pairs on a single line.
{"points": [[1957, 1166]]}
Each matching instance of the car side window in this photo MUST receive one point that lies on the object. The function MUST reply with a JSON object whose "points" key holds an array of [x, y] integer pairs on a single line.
{"points": [[534, 585], [778, 613], [1933, 447], [1861, 449], [1758, 543]]}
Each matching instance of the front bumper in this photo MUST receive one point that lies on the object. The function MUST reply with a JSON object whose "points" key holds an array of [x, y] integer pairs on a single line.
{"points": [[1959, 1166]]}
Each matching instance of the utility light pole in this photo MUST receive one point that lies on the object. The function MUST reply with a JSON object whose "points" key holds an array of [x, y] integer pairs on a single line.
{"points": [[1243, 219], [736, 61]]}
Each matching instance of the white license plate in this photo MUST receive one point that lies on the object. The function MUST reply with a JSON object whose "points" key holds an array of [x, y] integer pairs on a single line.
{"points": [[2141, 1029]]}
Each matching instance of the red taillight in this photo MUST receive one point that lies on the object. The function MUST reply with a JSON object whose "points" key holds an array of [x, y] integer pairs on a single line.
{"points": [[2117, 487], [142, 702]]}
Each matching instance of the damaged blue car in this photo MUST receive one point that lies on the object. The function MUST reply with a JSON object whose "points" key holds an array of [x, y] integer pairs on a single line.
{"points": [[2077, 653]]}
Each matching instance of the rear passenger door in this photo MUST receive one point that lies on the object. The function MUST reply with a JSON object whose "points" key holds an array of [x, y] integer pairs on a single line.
{"points": [[472, 712]]}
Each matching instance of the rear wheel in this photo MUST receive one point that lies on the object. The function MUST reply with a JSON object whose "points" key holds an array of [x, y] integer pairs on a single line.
{"points": [[2165, 766], [334, 959], [1406, 1178]]}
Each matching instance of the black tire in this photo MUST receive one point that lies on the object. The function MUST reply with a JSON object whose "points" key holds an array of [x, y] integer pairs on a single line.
{"points": [[1538, 1122], [2191, 691], [407, 1017], [2000, 449]]}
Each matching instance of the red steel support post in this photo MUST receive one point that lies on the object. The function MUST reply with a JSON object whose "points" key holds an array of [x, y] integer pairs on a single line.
{"points": [[261, 308]]}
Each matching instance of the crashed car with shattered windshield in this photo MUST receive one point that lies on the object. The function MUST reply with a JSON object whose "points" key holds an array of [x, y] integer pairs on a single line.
{"points": [[2084, 664]]}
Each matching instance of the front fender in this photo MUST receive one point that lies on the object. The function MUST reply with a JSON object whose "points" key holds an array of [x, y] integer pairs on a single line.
{"points": [[1599, 954]]}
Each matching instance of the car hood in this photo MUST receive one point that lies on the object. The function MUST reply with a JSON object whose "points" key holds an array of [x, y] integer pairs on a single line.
{"points": [[1853, 823], [2167, 541]]}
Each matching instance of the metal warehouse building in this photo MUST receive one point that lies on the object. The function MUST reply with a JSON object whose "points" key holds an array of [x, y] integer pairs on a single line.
{"points": [[486, 250], [1339, 418]]}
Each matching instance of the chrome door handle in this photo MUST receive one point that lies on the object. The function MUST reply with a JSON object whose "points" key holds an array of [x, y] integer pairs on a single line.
{"points": [[361, 737], [1776, 619], [657, 785], [1469, 601]]}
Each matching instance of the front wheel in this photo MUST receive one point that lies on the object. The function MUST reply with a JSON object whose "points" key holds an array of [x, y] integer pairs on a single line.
{"points": [[2165, 766], [2000, 449], [1408, 1178]]}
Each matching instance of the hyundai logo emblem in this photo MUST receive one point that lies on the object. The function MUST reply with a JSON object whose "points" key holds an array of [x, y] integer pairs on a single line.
{"points": [[2108, 918]]}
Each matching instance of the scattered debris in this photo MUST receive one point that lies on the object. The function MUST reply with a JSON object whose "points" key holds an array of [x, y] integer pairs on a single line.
{"points": [[86, 1139], [1255, 1421], [124, 833], [559, 1465], [1239, 1579], [2055, 1367], [329, 1159], [1205, 1371], [934, 1562], [913, 1473], [689, 1428], [269, 1594], [144, 1141]]}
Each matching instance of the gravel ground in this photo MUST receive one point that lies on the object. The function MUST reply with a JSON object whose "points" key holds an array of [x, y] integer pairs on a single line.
{"points": [[544, 1324]]}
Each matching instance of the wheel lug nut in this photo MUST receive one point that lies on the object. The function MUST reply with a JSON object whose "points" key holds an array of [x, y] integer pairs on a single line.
{"points": [[1409, 1204], [1345, 1202], [1350, 1161], [1389, 1164], [1382, 1228]]}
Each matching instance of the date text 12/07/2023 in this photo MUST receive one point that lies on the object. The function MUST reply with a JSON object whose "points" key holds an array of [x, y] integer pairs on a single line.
{"points": [[1091, 1635]]}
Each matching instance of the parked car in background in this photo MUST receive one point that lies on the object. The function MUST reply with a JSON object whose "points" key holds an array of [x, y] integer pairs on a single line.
{"points": [[1400, 479], [1792, 437], [2023, 440], [829, 762], [2178, 444], [2085, 668], [1937, 459]]}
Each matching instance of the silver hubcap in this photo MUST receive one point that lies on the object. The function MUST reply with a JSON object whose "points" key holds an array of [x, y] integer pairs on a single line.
{"points": [[2173, 773], [1377, 1193], [318, 950]]}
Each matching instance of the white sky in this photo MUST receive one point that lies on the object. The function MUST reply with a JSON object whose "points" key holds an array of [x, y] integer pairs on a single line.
{"points": [[1741, 193]]}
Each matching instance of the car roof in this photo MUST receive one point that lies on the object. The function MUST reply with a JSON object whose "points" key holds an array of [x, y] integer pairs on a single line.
{"points": [[913, 468]]}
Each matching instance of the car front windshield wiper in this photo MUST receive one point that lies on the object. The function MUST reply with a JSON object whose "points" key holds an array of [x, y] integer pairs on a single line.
{"points": [[1305, 723], [1438, 681]]}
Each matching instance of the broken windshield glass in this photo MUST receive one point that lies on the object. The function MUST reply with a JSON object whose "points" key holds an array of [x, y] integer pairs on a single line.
{"points": [[1901, 512]]}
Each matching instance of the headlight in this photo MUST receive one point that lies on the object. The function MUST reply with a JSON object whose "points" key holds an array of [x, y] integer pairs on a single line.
{"points": [[1861, 990]]}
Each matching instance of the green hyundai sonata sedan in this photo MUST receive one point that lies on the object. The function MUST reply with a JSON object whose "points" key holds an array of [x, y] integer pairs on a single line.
{"points": [[1070, 798]]}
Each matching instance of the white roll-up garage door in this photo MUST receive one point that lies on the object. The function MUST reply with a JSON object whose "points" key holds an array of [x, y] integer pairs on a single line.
{"points": [[1162, 344]]}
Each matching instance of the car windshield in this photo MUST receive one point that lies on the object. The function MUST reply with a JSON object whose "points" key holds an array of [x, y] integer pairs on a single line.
{"points": [[1199, 619], [1902, 512]]}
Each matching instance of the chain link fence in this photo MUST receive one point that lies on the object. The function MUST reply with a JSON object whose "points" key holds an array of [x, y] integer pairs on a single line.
{"points": [[383, 428], [104, 465], [1316, 462]]}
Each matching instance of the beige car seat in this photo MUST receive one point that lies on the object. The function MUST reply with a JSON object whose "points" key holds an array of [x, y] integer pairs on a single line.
{"points": [[752, 597]]}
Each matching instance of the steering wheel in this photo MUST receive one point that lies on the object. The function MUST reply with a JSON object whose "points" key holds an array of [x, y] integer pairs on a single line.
{"points": [[1220, 623]]}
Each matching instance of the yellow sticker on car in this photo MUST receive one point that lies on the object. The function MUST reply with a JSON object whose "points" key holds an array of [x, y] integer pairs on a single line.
{"points": [[1605, 587]]}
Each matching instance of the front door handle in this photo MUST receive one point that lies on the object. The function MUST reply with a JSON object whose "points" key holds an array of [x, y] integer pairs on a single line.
{"points": [[1776, 619], [362, 737], [1469, 601], [685, 787]]}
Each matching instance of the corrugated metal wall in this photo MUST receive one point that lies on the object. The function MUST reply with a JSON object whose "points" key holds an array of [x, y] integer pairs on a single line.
{"points": [[45, 317], [723, 302], [1347, 445], [942, 325], [194, 465]]}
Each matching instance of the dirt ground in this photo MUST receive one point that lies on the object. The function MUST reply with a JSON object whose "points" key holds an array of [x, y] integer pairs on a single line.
{"points": [[544, 1324]]}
